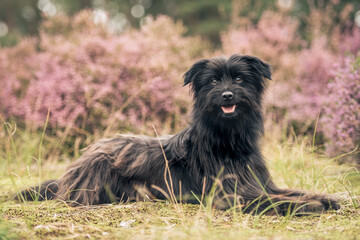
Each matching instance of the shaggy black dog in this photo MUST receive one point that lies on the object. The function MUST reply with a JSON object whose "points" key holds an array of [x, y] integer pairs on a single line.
{"points": [[218, 153]]}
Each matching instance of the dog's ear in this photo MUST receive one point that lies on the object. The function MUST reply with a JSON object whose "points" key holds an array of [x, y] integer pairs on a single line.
{"points": [[193, 72], [260, 66]]}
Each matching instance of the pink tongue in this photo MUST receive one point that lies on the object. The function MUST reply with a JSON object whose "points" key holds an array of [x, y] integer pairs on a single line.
{"points": [[230, 109]]}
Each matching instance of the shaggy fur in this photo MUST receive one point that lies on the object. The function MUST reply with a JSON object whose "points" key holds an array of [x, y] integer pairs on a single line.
{"points": [[219, 150]]}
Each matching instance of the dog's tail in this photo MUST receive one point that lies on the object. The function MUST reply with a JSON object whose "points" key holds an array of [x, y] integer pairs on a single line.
{"points": [[46, 191]]}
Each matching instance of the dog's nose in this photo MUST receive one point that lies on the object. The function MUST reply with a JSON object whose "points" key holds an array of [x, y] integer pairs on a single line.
{"points": [[227, 95]]}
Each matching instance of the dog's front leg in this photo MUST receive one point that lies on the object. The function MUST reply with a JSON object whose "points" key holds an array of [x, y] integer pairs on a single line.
{"points": [[282, 204], [329, 202]]}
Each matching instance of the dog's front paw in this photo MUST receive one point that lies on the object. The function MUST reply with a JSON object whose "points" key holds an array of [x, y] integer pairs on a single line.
{"points": [[310, 207], [306, 207], [318, 204], [329, 202]]}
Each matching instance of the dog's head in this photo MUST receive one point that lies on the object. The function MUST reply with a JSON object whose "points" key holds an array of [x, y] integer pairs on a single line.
{"points": [[228, 88]]}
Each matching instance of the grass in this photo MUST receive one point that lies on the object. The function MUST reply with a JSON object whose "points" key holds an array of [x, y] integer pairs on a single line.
{"points": [[28, 156]]}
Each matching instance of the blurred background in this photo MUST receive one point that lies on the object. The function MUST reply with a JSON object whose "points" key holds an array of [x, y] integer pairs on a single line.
{"points": [[208, 18], [81, 70]]}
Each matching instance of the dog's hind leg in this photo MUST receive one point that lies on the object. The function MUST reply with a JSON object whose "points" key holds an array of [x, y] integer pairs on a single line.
{"points": [[90, 180], [113, 170], [46, 191]]}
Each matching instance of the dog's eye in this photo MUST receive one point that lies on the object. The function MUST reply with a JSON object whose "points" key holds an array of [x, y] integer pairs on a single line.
{"points": [[214, 81], [238, 79]]}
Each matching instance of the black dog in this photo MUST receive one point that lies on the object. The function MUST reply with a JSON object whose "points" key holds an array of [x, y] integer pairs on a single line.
{"points": [[219, 150]]}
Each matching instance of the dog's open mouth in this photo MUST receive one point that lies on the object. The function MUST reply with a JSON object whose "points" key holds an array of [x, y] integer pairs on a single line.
{"points": [[228, 109]]}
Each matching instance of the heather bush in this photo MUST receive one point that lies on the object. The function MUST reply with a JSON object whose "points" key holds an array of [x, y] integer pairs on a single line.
{"points": [[89, 77], [341, 117]]}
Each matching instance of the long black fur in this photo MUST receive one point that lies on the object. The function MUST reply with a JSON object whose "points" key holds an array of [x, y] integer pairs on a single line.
{"points": [[216, 145]]}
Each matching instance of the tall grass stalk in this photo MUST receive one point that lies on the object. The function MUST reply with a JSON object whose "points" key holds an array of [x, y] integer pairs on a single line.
{"points": [[40, 149], [10, 132], [169, 183], [314, 134]]}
